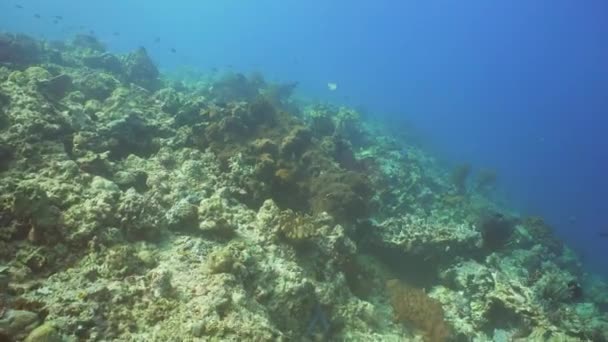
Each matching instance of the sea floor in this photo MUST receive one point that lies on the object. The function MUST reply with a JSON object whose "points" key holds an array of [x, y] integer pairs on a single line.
{"points": [[137, 206]]}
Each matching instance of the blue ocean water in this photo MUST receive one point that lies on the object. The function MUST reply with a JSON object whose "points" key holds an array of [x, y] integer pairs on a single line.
{"points": [[517, 86]]}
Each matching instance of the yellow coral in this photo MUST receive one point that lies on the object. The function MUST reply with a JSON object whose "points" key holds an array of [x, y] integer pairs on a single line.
{"points": [[296, 227], [284, 175], [414, 306]]}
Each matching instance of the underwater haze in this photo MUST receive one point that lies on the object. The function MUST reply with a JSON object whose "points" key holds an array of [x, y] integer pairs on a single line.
{"points": [[516, 87]]}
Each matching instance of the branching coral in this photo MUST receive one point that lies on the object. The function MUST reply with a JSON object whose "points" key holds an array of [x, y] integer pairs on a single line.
{"points": [[412, 305]]}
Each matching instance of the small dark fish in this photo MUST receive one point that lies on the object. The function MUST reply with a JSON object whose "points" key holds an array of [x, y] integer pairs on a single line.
{"points": [[37, 16], [173, 50], [18, 6], [91, 32], [58, 17], [603, 234], [214, 69], [157, 40], [55, 21], [116, 34]]}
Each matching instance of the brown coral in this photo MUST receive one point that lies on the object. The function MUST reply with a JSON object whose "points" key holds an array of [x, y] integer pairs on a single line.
{"points": [[295, 227], [296, 142], [344, 195], [413, 306]]}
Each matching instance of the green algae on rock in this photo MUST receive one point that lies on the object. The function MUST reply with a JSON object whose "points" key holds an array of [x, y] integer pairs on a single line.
{"points": [[44, 333]]}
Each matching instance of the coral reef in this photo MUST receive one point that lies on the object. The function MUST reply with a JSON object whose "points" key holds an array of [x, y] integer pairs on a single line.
{"points": [[19, 49], [136, 207], [140, 69], [460, 176], [496, 230]]}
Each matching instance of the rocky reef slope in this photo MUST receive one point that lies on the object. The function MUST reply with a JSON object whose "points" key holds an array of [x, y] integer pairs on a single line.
{"points": [[136, 207]]}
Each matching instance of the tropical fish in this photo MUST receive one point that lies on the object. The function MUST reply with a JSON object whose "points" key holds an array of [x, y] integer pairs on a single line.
{"points": [[18, 6], [332, 86], [37, 16], [157, 40], [173, 50]]}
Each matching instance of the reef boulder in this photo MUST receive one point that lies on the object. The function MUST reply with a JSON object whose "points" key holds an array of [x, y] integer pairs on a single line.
{"points": [[18, 49], [140, 69]]}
